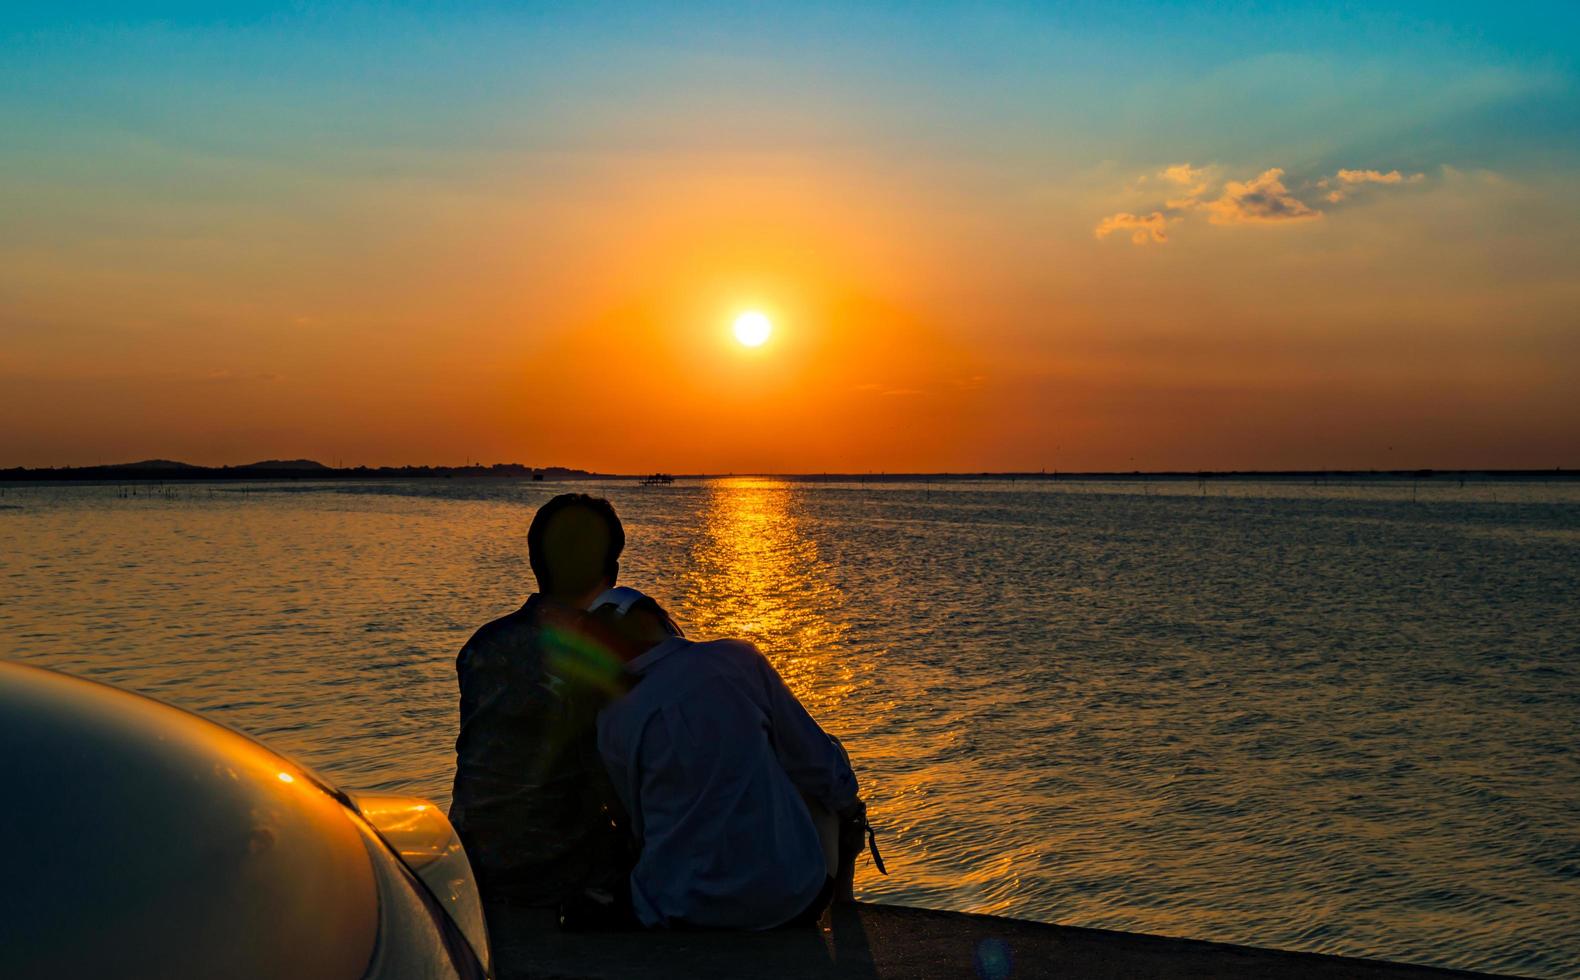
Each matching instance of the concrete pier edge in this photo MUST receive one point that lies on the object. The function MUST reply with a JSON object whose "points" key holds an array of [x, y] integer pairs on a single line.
{"points": [[866, 940]]}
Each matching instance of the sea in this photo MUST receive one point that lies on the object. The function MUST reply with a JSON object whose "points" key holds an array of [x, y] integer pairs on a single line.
{"points": [[1341, 717]]}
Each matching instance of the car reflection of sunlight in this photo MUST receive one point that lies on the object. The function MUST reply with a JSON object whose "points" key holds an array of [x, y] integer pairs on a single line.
{"points": [[756, 576]]}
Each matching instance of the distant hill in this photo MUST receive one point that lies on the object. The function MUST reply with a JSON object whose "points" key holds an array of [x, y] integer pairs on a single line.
{"points": [[153, 464], [275, 470], [284, 464]]}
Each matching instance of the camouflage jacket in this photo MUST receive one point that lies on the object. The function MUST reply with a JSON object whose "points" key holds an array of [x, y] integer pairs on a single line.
{"points": [[532, 803]]}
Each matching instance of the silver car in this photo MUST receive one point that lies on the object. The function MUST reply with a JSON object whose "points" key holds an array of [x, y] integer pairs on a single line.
{"points": [[144, 841]]}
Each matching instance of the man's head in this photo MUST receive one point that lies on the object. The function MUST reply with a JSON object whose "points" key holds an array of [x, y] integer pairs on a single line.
{"points": [[574, 547]]}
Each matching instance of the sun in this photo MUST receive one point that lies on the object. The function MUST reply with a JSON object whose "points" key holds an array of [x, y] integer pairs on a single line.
{"points": [[752, 328]]}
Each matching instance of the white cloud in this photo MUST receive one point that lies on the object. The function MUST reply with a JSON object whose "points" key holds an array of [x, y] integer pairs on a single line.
{"points": [[1346, 182], [1193, 179], [1260, 200], [1142, 228], [1263, 199], [1183, 173]]}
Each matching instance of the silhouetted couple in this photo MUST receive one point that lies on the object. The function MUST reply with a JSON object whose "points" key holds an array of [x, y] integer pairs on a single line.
{"points": [[614, 769]]}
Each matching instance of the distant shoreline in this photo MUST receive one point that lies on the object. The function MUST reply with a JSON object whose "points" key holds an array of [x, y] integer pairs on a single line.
{"points": [[164, 472]]}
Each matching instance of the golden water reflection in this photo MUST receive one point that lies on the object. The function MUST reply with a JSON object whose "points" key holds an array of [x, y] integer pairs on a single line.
{"points": [[755, 575]]}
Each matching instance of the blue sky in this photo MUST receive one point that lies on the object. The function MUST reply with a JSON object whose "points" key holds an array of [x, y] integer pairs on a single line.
{"points": [[174, 173]]}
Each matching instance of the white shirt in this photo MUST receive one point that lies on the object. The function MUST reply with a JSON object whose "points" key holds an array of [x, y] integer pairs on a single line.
{"points": [[711, 753]]}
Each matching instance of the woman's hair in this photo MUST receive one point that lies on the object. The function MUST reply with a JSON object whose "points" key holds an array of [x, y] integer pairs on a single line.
{"points": [[641, 627]]}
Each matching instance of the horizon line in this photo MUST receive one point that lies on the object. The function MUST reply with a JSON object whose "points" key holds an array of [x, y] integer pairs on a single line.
{"points": [[300, 468]]}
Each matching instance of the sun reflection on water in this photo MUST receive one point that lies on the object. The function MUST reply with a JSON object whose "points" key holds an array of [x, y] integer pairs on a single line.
{"points": [[755, 575]]}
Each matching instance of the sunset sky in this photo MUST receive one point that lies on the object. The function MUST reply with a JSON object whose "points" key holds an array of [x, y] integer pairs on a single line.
{"points": [[1182, 236]]}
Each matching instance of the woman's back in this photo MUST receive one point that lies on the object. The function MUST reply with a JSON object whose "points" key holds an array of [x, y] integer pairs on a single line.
{"points": [[711, 755]]}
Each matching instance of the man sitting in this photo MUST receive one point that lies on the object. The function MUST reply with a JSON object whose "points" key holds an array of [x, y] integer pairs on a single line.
{"points": [[721, 770], [532, 804]]}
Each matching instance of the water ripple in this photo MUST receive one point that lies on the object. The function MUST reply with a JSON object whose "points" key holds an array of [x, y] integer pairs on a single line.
{"points": [[1313, 717]]}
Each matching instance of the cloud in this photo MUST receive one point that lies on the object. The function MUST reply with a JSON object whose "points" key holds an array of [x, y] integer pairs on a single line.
{"points": [[1183, 173], [1142, 228], [1371, 177], [1193, 179], [1261, 200], [1346, 182]]}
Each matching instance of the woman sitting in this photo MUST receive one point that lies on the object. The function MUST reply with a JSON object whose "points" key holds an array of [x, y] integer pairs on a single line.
{"points": [[725, 777]]}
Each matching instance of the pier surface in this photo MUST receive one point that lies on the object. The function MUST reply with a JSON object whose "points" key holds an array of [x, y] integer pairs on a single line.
{"points": [[886, 942]]}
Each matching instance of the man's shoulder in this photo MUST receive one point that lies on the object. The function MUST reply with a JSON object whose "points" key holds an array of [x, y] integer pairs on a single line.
{"points": [[503, 636], [516, 623]]}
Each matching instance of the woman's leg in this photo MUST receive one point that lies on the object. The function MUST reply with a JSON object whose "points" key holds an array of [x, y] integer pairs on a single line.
{"points": [[842, 842], [827, 825]]}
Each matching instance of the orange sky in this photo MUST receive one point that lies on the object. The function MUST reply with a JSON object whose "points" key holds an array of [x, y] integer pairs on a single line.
{"points": [[953, 286]]}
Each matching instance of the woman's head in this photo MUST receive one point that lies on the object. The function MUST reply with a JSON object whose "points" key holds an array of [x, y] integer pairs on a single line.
{"points": [[631, 623]]}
